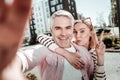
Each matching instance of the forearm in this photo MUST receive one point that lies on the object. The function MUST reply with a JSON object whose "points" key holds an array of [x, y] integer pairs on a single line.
{"points": [[61, 52], [13, 71], [100, 60]]}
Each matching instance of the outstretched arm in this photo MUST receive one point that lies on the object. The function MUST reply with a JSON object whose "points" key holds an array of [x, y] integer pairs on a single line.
{"points": [[13, 18]]}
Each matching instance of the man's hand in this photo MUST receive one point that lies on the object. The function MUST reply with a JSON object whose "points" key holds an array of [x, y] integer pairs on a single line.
{"points": [[13, 18]]}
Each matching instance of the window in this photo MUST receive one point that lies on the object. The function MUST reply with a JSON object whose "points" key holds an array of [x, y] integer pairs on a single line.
{"points": [[60, 6], [48, 15], [52, 2], [60, 1], [73, 8], [37, 20], [38, 8], [46, 3], [69, 7], [71, 3], [68, 1], [53, 9], [56, 1]]}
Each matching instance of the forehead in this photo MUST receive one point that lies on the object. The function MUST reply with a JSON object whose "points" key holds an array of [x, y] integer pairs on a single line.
{"points": [[62, 21], [80, 26]]}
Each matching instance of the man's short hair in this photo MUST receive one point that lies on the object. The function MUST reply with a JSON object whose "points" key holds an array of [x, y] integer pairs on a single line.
{"points": [[61, 13]]}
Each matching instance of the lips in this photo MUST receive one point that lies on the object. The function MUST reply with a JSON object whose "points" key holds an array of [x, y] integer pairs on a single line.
{"points": [[78, 40]]}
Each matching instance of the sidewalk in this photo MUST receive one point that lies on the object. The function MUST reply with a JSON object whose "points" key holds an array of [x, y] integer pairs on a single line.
{"points": [[113, 50], [112, 65]]}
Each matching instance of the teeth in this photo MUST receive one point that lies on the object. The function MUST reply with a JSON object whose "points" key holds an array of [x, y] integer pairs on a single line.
{"points": [[63, 38]]}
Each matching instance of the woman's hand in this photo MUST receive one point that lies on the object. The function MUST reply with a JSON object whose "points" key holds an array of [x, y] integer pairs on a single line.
{"points": [[99, 47], [73, 58]]}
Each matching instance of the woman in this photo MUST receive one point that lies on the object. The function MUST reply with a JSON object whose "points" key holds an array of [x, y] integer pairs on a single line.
{"points": [[83, 35]]}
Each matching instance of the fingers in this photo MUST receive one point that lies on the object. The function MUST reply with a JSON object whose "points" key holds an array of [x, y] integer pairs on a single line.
{"points": [[79, 64], [100, 45], [22, 6], [2, 10]]}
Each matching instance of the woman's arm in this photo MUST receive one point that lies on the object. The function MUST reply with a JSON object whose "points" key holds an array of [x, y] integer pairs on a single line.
{"points": [[98, 58], [73, 59]]}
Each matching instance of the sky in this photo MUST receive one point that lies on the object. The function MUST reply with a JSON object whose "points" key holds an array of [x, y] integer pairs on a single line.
{"points": [[94, 8]]}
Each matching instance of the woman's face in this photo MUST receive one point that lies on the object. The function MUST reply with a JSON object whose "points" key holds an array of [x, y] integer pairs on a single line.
{"points": [[82, 34]]}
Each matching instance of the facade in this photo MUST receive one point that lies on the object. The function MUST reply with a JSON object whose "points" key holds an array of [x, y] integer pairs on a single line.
{"points": [[41, 15], [115, 4], [40, 18], [68, 5]]}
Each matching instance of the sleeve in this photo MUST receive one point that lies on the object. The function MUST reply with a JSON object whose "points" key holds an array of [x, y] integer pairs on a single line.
{"points": [[31, 57], [99, 72], [47, 41]]}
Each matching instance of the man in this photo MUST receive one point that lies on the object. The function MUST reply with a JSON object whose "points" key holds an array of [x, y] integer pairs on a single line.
{"points": [[13, 17], [53, 66]]}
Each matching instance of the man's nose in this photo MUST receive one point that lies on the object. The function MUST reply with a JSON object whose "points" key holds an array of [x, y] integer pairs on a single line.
{"points": [[63, 32]]}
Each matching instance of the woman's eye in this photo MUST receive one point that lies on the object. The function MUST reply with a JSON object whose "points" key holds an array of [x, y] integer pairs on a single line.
{"points": [[82, 31], [74, 32]]}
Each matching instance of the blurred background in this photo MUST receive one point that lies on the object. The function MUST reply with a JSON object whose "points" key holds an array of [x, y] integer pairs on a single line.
{"points": [[105, 15]]}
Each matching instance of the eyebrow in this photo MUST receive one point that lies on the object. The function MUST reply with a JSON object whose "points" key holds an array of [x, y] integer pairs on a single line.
{"points": [[80, 29], [69, 26], [65, 26]]}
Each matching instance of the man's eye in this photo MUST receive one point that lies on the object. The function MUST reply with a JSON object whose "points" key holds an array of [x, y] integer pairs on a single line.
{"points": [[57, 28], [69, 27]]}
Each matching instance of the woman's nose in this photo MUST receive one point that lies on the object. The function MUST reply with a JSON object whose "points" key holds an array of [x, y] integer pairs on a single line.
{"points": [[78, 35]]}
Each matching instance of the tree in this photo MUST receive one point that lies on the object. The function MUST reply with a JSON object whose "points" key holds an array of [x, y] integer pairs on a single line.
{"points": [[101, 21]]}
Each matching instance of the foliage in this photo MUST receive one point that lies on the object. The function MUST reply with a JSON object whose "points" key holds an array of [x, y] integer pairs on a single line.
{"points": [[30, 76], [111, 42]]}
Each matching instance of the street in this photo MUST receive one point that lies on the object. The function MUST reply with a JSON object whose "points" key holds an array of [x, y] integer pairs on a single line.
{"points": [[112, 65]]}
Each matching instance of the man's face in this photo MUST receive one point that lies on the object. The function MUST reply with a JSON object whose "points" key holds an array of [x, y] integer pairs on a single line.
{"points": [[62, 31]]}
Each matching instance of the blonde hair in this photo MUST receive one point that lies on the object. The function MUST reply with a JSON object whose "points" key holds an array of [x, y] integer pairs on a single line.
{"points": [[88, 24]]}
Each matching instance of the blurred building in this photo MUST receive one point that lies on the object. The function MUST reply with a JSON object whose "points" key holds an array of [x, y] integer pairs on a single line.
{"points": [[41, 15], [68, 5], [39, 23], [115, 4]]}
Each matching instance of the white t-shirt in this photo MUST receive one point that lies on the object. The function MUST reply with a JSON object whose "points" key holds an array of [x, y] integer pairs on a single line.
{"points": [[70, 73]]}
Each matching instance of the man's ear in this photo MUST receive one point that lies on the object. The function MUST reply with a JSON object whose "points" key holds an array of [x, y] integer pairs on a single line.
{"points": [[51, 30]]}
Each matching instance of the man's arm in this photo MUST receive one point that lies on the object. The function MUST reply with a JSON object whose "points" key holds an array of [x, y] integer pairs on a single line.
{"points": [[13, 18]]}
